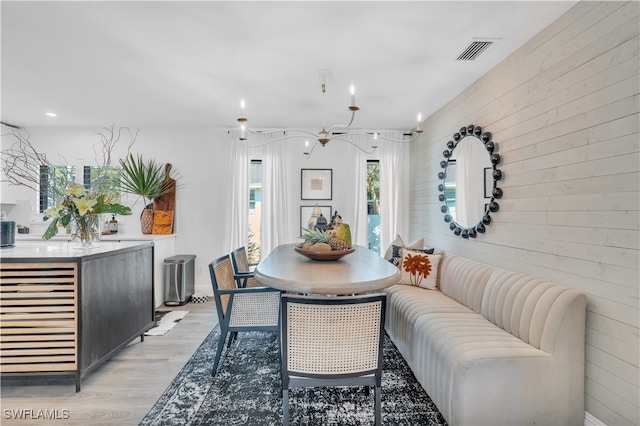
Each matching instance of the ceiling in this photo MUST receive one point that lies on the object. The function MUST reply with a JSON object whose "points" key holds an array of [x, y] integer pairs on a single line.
{"points": [[187, 64]]}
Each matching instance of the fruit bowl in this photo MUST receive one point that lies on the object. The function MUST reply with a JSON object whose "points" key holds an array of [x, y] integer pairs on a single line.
{"points": [[323, 255]]}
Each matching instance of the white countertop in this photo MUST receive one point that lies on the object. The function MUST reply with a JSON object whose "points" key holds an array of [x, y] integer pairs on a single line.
{"points": [[60, 249], [109, 237]]}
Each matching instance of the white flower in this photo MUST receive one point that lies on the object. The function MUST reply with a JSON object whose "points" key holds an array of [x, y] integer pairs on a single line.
{"points": [[54, 211], [83, 204], [76, 190]]}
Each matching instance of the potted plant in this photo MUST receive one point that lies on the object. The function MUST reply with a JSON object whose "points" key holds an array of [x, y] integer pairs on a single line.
{"points": [[143, 178], [82, 206]]}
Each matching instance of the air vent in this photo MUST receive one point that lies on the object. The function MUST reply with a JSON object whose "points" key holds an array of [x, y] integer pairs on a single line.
{"points": [[475, 49]]}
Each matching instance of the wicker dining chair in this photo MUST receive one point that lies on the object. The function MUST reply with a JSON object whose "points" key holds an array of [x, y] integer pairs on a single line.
{"points": [[332, 341], [240, 309], [242, 268]]}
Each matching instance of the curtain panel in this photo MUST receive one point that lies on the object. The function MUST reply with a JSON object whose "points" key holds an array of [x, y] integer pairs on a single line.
{"points": [[275, 201], [358, 223], [237, 229], [394, 189]]}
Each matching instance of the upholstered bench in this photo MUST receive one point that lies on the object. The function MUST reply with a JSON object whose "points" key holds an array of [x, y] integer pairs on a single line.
{"points": [[493, 347]]}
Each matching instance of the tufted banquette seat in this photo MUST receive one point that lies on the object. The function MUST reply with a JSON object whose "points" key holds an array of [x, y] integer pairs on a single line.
{"points": [[493, 347]]}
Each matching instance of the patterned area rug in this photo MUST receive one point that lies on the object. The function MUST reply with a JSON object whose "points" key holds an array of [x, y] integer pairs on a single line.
{"points": [[247, 391]]}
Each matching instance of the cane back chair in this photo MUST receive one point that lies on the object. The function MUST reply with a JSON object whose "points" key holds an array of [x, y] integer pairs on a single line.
{"points": [[240, 309], [243, 269], [332, 341]]}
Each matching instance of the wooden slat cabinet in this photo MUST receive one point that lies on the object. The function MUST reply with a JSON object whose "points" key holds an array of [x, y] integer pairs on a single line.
{"points": [[38, 313], [63, 313]]}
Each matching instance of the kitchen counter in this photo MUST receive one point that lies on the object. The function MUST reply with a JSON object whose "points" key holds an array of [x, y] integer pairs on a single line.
{"points": [[61, 250], [106, 237], [163, 246], [65, 310]]}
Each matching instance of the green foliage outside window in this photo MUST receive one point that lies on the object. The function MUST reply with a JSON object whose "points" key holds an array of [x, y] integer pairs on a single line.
{"points": [[373, 206]]}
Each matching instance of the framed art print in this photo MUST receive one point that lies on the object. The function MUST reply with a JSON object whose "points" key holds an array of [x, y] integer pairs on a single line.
{"points": [[316, 184], [305, 215]]}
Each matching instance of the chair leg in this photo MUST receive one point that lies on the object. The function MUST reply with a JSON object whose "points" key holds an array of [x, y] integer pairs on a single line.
{"points": [[232, 338], [285, 407], [378, 406], [223, 337], [280, 362]]}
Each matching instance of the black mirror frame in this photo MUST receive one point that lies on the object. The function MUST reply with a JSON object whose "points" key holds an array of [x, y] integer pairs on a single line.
{"points": [[496, 193]]}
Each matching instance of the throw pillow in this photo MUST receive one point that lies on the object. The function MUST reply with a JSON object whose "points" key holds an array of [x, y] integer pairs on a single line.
{"points": [[419, 269], [417, 244], [396, 256]]}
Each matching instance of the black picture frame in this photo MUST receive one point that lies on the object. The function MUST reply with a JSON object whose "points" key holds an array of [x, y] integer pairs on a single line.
{"points": [[316, 184]]}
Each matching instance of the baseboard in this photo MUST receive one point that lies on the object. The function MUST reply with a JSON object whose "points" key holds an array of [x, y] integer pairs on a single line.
{"points": [[591, 420]]}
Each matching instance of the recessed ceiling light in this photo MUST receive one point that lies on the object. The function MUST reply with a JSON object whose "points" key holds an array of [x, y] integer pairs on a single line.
{"points": [[51, 114]]}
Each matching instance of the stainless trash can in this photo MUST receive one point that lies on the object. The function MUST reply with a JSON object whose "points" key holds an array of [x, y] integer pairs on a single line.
{"points": [[179, 274]]}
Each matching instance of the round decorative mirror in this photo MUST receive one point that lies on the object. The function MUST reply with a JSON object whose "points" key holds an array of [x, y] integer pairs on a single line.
{"points": [[469, 177]]}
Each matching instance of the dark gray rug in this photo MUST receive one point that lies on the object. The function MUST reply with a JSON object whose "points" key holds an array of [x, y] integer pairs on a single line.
{"points": [[247, 391]]}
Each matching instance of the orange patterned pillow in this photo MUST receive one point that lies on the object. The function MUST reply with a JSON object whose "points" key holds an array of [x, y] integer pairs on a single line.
{"points": [[419, 269]]}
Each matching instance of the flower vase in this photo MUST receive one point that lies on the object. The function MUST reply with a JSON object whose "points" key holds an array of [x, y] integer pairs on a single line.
{"points": [[146, 221], [87, 230]]}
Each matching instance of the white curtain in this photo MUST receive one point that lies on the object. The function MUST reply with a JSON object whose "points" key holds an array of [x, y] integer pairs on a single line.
{"points": [[358, 224], [237, 229], [394, 184], [275, 199]]}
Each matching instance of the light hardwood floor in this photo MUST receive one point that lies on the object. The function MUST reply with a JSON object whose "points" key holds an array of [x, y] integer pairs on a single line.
{"points": [[122, 390]]}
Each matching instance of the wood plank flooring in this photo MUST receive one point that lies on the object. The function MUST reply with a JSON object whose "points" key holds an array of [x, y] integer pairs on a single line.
{"points": [[122, 390]]}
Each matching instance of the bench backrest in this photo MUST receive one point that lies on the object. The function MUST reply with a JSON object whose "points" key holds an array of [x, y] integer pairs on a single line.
{"points": [[530, 308], [464, 280]]}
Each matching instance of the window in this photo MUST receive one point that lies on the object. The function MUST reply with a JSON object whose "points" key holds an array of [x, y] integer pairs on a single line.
{"points": [[51, 178], [255, 210], [102, 179], [55, 178], [252, 199], [373, 205]]}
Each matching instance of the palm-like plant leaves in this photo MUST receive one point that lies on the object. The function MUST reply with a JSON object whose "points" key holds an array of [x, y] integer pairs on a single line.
{"points": [[141, 178]]}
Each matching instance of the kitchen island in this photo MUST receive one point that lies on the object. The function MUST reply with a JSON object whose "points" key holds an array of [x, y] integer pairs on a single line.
{"points": [[163, 246], [67, 310]]}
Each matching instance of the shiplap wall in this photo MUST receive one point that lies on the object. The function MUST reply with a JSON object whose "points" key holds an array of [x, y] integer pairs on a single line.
{"points": [[564, 113]]}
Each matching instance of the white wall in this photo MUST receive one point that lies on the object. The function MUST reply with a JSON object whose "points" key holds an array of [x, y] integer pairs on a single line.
{"points": [[201, 159], [563, 110], [336, 155]]}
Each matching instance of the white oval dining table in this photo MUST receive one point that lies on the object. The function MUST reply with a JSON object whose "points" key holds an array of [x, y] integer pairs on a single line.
{"points": [[359, 272]]}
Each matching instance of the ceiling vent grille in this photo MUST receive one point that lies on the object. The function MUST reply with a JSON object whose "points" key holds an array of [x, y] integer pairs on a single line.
{"points": [[475, 49]]}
